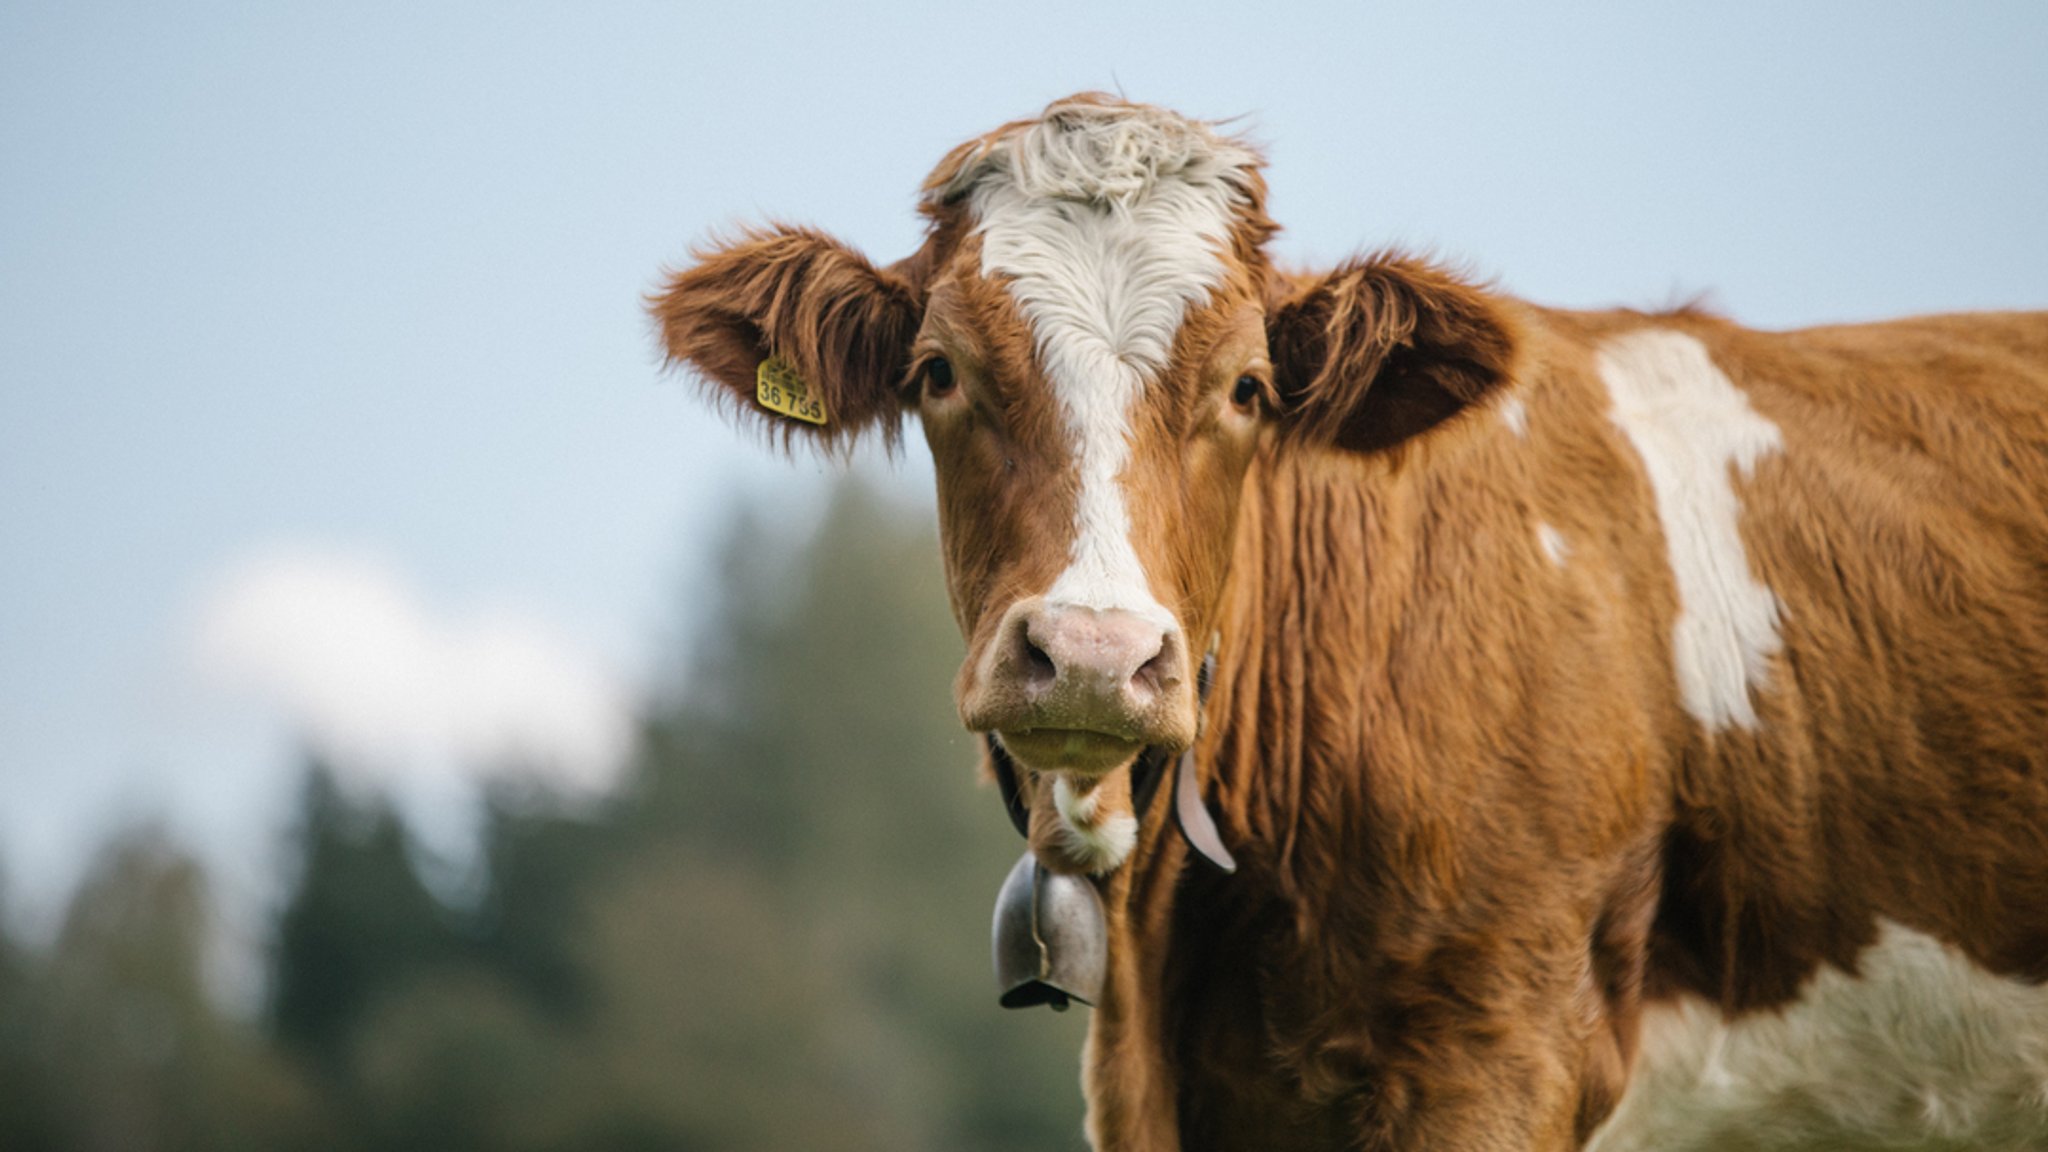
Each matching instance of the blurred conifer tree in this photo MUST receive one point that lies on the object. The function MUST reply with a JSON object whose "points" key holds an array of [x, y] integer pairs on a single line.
{"points": [[127, 1051], [358, 924]]}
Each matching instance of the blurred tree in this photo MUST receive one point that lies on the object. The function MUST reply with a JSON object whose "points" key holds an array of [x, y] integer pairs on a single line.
{"points": [[358, 925], [128, 1050], [27, 1120], [704, 775], [541, 860], [830, 839], [458, 1061]]}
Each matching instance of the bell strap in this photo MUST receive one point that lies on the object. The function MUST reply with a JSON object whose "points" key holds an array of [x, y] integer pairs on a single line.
{"points": [[1008, 783]]}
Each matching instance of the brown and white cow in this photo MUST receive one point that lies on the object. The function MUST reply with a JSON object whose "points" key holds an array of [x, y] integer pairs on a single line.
{"points": [[1632, 728]]}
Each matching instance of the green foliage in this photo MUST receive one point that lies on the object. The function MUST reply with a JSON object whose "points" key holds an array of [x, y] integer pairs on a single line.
{"points": [[114, 1042], [358, 925], [774, 937], [541, 863], [818, 726]]}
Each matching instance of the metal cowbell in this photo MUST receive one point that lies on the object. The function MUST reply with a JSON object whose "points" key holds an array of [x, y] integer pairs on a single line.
{"points": [[1050, 938]]}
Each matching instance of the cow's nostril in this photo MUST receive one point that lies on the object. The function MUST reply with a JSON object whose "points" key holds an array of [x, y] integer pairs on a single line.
{"points": [[1038, 667], [1152, 674]]}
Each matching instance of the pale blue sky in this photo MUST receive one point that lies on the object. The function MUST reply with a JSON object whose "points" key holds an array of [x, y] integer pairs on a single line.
{"points": [[367, 277]]}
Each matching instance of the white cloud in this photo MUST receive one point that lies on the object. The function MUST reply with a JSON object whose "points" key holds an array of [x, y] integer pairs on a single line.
{"points": [[400, 695]]}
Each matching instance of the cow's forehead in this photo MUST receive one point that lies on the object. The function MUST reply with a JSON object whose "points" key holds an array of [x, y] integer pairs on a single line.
{"points": [[1108, 219], [1106, 223]]}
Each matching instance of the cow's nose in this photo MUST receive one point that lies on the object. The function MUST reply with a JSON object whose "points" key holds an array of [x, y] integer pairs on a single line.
{"points": [[1063, 666], [1064, 648]]}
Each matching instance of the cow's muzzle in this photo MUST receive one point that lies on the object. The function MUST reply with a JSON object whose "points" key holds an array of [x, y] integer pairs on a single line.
{"points": [[1078, 689]]}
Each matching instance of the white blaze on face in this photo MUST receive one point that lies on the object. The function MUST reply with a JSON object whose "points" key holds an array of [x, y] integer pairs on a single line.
{"points": [[1920, 1049], [1107, 224], [1693, 428]]}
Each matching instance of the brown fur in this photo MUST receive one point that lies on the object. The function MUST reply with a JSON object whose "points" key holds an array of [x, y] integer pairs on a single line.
{"points": [[844, 325], [1382, 350], [1476, 829]]}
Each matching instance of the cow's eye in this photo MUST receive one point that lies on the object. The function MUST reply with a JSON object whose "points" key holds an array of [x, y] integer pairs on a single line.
{"points": [[1245, 394], [938, 377]]}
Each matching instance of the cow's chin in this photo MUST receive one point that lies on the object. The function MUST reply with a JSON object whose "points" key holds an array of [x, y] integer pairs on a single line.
{"points": [[1069, 751], [1081, 820]]}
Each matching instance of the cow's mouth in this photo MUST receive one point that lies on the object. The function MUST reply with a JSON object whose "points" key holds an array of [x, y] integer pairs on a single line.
{"points": [[1074, 750]]}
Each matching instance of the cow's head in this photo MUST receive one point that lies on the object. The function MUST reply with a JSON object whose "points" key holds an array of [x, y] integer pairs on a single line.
{"points": [[1097, 348]]}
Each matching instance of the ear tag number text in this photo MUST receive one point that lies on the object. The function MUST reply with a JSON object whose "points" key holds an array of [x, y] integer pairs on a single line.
{"points": [[780, 389]]}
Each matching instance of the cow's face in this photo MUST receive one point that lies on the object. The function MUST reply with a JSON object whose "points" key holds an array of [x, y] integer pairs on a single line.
{"points": [[1086, 500], [1097, 349]]}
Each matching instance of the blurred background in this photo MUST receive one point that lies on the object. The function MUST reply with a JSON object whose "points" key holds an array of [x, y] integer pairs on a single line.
{"points": [[423, 726]]}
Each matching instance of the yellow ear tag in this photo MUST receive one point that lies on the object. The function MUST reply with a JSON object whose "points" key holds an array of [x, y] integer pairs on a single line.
{"points": [[780, 389]]}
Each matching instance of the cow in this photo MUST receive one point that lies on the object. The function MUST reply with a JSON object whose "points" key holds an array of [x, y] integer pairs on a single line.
{"points": [[1630, 729]]}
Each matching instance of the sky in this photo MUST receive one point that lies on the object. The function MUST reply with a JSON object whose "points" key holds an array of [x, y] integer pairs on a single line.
{"points": [[329, 413]]}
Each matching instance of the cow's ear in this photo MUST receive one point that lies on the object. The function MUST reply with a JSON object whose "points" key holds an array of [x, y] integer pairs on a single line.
{"points": [[1381, 350], [834, 330]]}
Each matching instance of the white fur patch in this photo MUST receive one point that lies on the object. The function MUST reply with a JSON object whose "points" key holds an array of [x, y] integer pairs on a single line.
{"points": [[1553, 543], [1101, 843], [1689, 423], [1515, 415], [1922, 1050], [1108, 223]]}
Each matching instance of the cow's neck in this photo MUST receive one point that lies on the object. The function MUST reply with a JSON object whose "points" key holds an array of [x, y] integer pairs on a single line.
{"points": [[1303, 729], [1322, 632]]}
